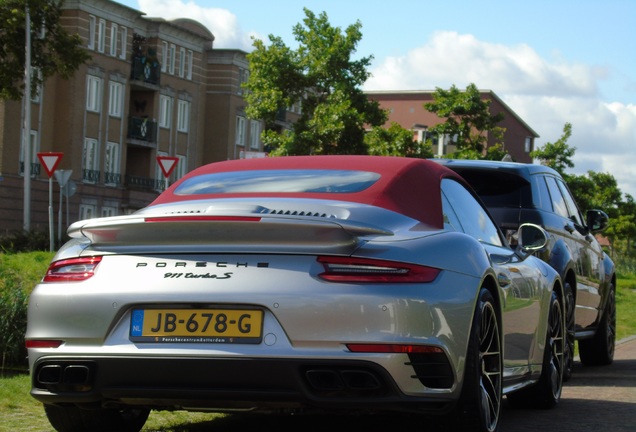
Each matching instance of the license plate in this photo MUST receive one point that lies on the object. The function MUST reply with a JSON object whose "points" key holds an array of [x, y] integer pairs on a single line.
{"points": [[196, 325]]}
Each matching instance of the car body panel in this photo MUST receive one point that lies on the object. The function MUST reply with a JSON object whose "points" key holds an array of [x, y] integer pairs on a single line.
{"points": [[180, 260]]}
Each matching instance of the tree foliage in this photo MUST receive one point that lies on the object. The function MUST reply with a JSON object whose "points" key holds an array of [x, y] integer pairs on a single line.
{"points": [[468, 119], [53, 50], [321, 74], [396, 141], [557, 155]]}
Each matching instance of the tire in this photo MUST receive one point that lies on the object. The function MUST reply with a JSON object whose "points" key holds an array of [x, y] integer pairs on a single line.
{"points": [[546, 393], [599, 350], [568, 354], [479, 406], [75, 419]]}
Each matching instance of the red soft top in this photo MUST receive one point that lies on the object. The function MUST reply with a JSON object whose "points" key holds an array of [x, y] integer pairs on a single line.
{"points": [[407, 186]]}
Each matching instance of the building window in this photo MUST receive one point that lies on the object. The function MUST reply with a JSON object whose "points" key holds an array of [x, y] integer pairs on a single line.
{"points": [[108, 211], [182, 167], [114, 34], [101, 36], [528, 144], [111, 164], [92, 24], [183, 116], [182, 62], [124, 41], [87, 211], [115, 99], [171, 59], [244, 75], [189, 64], [255, 132], [240, 131], [165, 111], [93, 93], [90, 160], [164, 56], [35, 148]]}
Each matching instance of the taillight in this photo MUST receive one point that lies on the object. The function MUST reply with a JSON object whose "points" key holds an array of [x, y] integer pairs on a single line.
{"points": [[364, 270], [43, 343], [393, 348], [72, 270]]}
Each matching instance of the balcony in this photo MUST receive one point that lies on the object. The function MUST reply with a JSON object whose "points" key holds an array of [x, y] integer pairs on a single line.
{"points": [[146, 69], [112, 179], [145, 183], [35, 169], [142, 129], [91, 176]]}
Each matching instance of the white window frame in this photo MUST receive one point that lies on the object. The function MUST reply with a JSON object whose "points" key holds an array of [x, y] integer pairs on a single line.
{"points": [[115, 99], [108, 211], [124, 41], [172, 54], [183, 116], [255, 132], [92, 31], [165, 111], [35, 148], [101, 35], [112, 159], [190, 55], [182, 167], [240, 131], [182, 62], [114, 34], [93, 93], [528, 144], [164, 56], [87, 211], [90, 156]]}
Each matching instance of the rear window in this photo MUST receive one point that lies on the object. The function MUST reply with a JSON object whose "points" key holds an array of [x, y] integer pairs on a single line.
{"points": [[278, 181], [499, 189]]}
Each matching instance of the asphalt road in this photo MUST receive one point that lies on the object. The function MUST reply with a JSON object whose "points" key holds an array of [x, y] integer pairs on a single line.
{"points": [[596, 399]]}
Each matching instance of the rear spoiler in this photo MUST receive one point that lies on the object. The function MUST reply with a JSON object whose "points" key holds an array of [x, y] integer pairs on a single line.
{"points": [[219, 233]]}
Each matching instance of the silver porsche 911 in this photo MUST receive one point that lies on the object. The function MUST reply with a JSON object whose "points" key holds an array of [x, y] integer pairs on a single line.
{"points": [[294, 285]]}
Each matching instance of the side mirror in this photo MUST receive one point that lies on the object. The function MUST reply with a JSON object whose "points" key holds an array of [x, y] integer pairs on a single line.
{"points": [[597, 220], [531, 238]]}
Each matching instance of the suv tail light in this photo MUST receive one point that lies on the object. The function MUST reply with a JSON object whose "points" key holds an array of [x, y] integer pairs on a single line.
{"points": [[364, 270], [72, 270]]}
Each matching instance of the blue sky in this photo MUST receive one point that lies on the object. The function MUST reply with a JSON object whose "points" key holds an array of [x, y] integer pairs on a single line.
{"points": [[552, 61]]}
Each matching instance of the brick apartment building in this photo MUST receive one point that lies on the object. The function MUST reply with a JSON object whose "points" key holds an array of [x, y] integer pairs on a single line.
{"points": [[406, 108], [152, 88]]}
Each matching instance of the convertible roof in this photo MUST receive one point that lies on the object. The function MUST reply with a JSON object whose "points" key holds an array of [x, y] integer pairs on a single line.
{"points": [[407, 186]]}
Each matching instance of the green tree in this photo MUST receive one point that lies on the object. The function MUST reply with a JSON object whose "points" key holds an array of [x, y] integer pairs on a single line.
{"points": [[468, 119], [557, 155], [321, 74], [53, 50], [396, 141]]}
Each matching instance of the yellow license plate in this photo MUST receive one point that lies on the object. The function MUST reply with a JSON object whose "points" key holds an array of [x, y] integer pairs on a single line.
{"points": [[196, 325]]}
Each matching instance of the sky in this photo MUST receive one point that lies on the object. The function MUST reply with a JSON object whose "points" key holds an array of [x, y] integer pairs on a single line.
{"points": [[551, 61]]}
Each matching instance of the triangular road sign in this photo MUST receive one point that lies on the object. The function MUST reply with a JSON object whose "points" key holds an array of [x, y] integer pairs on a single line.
{"points": [[167, 164], [50, 161]]}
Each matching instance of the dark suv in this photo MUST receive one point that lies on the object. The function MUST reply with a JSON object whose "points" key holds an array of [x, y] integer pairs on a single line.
{"points": [[517, 193]]}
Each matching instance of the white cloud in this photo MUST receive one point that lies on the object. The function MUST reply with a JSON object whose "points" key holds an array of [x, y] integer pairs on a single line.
{"points": [[546, 93], [221, 22]]}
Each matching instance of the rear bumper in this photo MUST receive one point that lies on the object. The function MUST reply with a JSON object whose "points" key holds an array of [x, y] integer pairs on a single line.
{"points": [[225, 384]]}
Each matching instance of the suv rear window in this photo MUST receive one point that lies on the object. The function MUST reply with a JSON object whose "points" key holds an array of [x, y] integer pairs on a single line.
{"points": [[499, 189]]}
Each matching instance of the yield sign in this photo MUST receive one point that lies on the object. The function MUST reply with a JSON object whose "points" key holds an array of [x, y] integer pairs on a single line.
{"points": [[50, 161], [167, 164]]}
